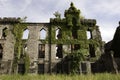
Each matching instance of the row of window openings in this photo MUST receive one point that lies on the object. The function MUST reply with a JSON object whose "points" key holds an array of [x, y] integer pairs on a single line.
{"points": [[21, 68], [59, 50], [42, 34], [60, 68], [58, 34]]}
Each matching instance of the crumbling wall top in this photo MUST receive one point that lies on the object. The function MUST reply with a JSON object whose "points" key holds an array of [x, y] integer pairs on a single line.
{"points": [[10, 20]]}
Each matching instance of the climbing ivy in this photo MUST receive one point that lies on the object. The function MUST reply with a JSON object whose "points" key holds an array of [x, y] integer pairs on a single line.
{"points": [[74, 28], [27, 62], [17, 31], [74, 59]]}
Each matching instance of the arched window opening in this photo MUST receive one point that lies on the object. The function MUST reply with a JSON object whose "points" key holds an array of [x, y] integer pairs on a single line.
{"points": [[59, 51], [1, 51], [58, 34], [43, 34], [4, 33], [25, 34]]}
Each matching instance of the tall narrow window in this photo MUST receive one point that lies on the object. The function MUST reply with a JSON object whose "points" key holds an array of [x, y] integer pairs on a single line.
{"points": [[25, 34], [41, 51], [92, 50], [1, 51], [43, 34], [40, 68], [21, 68], [59, 51], [4, 33], [58, 34], [75, 47], [74, 34], [24, 51], [88, 34]]}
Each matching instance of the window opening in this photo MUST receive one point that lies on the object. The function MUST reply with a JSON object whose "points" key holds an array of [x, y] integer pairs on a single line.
{"points": [[21, 68], [75, 47], [1, 51], [58, 34], [43, 34], [59, 50], [4, 33], [92, 50], [88, 35], [25, 34], [40, 68], [41, 51]]}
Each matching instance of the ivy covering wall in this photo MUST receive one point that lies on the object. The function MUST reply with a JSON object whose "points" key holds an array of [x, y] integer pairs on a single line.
{"points": [[17, 31], [73, 29]]}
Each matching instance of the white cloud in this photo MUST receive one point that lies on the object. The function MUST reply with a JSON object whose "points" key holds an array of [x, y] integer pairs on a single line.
{"points": [[13, 7], [107, 33], [106, 12]]}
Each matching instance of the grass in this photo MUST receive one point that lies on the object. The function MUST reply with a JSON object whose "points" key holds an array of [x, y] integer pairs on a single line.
{"points": [[103, 76]]}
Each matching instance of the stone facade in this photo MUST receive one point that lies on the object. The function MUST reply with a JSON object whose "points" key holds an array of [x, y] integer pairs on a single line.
{"points": [[48, 44]]}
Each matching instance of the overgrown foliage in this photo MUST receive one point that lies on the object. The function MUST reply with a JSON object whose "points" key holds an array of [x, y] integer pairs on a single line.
{"points": [[17, 31], [73, 31], [103, 76], [27, 63], [75, 58]]}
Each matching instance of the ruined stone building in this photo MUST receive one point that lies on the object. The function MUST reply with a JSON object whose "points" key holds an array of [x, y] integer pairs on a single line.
{"points": [[49, 45]]}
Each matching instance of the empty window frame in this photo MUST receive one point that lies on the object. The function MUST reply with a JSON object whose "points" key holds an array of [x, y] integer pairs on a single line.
{"points": [[88, 34], [43, 33], [58, 34], [75, 47], [59, 51], [24, 51], [1, 51], [21, 68], [40, 68], [25, 34], [92, 50], [41, 51], [4, 33], [74, 34]]}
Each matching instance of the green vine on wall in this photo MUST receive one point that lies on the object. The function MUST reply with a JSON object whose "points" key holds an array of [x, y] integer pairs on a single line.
{"points": [[74, 31], [27, 63], [18, 33], [75, 58]]}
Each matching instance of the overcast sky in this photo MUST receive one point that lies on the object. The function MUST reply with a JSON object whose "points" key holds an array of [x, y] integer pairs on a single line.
{"points": [[106, 12]]}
